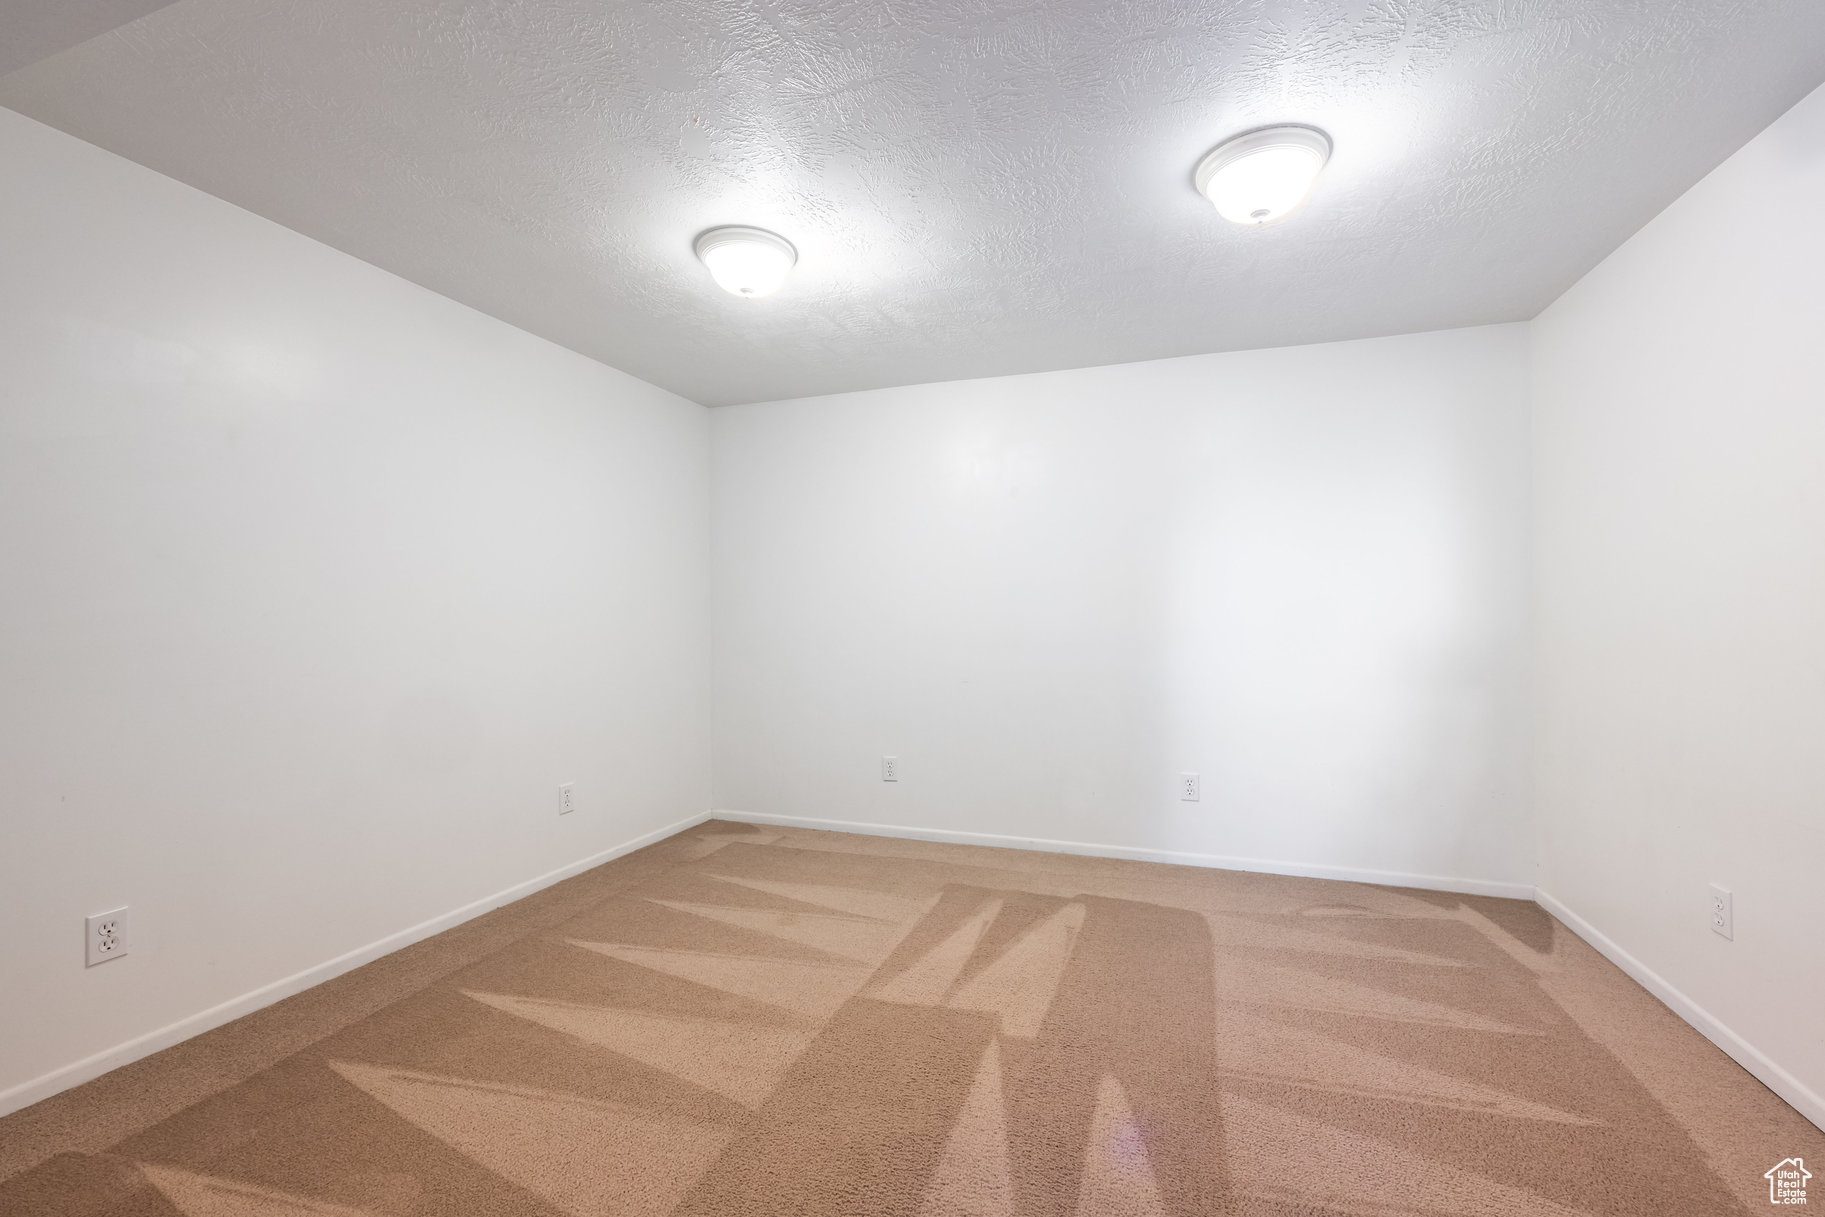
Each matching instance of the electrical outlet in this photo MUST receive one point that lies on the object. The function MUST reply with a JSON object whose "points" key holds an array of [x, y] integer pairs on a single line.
{"points": [[1188, 787], [890, 769], [567, 798], [107, 936], [1723, 917]]}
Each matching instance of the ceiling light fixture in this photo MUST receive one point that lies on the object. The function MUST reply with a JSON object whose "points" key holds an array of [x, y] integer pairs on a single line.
{"points": [[1262, 177], [749, 262]]}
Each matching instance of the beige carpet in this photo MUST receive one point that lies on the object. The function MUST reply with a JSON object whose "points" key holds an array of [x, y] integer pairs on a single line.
{"points": [[743, 1021]]}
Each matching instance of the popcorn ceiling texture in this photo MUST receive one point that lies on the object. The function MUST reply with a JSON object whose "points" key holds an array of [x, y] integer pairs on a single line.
{"points": [[37, 29], [975, 188]]}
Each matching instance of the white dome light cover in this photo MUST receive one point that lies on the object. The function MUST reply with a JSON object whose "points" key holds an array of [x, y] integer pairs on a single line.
{"points": [[748, 262], [1262, 177]]}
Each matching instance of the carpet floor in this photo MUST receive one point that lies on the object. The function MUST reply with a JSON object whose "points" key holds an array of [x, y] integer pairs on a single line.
{"points": [[743, 1021]]}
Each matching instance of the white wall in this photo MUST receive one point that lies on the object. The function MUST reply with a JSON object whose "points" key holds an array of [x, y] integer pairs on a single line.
{"points": [[1299, 572], [1680, 446], [316, 585]]}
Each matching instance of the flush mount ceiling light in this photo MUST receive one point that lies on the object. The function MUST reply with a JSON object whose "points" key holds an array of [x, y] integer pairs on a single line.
{"points": [[1264, 176], [749, 262]]}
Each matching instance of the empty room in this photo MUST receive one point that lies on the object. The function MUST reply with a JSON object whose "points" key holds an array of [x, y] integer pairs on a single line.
{"points": [[912, 608]]}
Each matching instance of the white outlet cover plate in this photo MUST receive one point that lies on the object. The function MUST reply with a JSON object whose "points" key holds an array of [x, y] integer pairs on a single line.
{"points": [[108, 937], [1190, 787], [567, 798], [890, 769], [1723, 914]]}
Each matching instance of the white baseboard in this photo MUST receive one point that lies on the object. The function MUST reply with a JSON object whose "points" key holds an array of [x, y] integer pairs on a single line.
{"points": [[1798, 1095], [1801, 1097], [39, 1088], [1308, 870]]}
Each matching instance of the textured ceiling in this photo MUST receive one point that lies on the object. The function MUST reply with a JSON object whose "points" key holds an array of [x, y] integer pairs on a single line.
{"points": [[31, 30], [974, 188]]}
